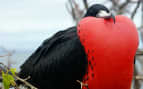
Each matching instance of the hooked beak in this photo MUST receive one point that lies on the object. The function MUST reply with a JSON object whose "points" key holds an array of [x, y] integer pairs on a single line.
{"points": [[113, 17], [105, 15]]}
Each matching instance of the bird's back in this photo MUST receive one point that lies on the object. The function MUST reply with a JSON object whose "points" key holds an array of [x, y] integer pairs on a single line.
{"points": [[57, 63]]}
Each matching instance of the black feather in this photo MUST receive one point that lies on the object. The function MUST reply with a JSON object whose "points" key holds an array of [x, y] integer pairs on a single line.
{"points": [[57, 63]]}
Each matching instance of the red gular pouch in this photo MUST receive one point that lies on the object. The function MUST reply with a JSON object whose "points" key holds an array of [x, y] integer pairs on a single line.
{"points": [[110, 49]]}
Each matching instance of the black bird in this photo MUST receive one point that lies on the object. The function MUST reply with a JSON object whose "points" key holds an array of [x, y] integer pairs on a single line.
{"points": [[60, 60]]}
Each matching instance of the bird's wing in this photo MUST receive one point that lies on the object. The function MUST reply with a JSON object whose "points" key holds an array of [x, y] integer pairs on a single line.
{"points": [[60, 58]]}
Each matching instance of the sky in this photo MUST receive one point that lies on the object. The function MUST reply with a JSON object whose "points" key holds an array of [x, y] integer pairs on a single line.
{"points": [[24, 24], [32, 15]]}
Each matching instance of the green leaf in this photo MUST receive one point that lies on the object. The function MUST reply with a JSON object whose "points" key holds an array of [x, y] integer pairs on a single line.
{"points": [[8, 79], [6, 82], [13, 71]]}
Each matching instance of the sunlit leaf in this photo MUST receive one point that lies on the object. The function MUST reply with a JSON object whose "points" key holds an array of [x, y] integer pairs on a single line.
{"points": [[8, 79], [6, 82], [13, 71]]}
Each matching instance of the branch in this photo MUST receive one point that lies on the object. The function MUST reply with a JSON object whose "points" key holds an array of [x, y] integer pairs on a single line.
{"points": [[82, 84], [124, 4], [9, 53], [135, 10], [114, 2], [71, 9], [142, 16], [139, 52], [85, 4], [75, 10], [139, 77], [4, 68], [4, 55], [25, 82]]}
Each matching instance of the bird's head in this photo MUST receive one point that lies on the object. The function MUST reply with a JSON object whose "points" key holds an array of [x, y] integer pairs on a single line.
{"points": [[99, 11]]}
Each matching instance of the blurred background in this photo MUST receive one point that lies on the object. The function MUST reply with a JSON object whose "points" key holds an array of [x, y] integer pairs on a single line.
{"points": [[25, 24]]}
